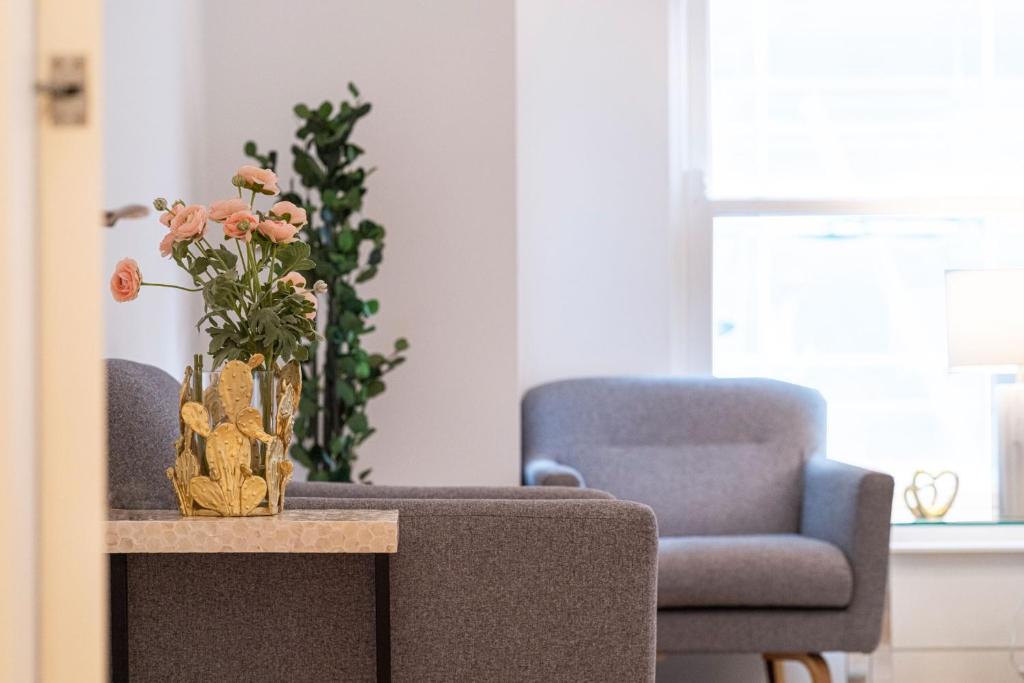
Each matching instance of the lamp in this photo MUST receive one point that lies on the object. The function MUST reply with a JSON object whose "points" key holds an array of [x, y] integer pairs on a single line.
{"points": [[985, 326]]}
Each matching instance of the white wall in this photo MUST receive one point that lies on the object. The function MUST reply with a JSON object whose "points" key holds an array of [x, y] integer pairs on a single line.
{"points": [[149, 109], [590, 106], [441, 76], [593, 152]]}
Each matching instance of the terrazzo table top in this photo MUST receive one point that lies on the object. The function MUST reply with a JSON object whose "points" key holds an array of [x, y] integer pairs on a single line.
{"points": [[292, 531]]}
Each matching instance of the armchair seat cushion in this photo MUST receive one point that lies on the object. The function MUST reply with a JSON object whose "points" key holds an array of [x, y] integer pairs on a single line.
{"points": [[766, 570]]}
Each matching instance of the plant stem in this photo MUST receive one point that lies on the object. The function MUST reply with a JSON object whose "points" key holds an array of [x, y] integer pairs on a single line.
{"points": [[161, 284], [241, 258], [252, 272], [197, 385]]}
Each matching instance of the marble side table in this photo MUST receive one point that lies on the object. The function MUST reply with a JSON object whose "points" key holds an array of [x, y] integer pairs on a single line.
{"points": [[293, 531]]}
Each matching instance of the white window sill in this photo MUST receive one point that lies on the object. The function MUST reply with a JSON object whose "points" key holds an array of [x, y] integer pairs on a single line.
{"points": [[938, 539]]}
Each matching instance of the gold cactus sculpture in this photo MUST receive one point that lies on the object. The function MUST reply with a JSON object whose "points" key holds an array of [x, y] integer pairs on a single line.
{"points": [[226, 461]]}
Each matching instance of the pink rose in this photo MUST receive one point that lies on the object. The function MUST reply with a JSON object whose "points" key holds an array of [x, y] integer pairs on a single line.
{"points": [[311, 298], [295, 215], [278, 232], [126, 280], [263, 180], [296, 280], [167, 244], [219, 211], [240, 225], [189, 222]]}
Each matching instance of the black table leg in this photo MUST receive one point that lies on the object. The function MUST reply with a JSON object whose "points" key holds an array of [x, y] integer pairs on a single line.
{"points": [[119, 618], [382, 590]]}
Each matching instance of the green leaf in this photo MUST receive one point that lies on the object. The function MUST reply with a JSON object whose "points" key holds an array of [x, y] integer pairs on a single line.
{"points": [[345, 392], [353, 89], [291, 256], [346, 239], [401, 344], [358, 422], [302, 111], [250, 148], [227, 256], [307, 167], [375, 388]]}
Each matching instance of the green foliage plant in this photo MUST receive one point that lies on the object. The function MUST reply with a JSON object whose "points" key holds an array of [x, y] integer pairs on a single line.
{"points": [[346, 250]]}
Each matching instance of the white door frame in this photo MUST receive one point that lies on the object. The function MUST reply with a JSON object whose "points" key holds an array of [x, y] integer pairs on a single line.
{"points": [[17, 377], [53, 618]]}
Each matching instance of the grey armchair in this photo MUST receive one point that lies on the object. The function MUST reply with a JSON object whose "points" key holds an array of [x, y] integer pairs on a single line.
{"points": [[489, 584], [765, 546]]}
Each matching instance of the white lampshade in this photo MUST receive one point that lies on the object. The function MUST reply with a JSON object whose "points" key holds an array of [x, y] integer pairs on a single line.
{"points": [[985, 317]]}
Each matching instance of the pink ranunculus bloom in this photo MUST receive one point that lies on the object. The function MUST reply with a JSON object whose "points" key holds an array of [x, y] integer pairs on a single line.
{"points": [[311, 298], [167, 216], [126, 280], [296, 280], [278, 232], [189, 222], [263, 180], [167, 244], [219, 211], [240, 225], [287, 211]]}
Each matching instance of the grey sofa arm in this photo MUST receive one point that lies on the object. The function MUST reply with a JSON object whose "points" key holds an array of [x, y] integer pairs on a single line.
{"points": [[544, 472], [523, 590], [324, 489], [851, 508]]}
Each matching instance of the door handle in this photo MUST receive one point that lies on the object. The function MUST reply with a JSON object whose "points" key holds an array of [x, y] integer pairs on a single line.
{"points": [[65, 89], [111, 216]]}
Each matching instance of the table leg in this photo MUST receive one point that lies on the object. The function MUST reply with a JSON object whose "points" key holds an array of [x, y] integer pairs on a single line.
{"points": [[119, 618], [382, 616]]}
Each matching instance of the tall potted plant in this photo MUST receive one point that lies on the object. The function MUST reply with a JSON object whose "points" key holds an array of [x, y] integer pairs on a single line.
{"points": [[346, 249]]}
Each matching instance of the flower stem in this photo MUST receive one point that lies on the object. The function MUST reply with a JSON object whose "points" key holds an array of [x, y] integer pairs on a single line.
{"points": [[161, 284]]}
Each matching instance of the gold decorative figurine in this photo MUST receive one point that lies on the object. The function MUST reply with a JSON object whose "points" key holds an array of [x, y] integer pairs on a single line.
{"points": [[227, 463], [923, 498]]}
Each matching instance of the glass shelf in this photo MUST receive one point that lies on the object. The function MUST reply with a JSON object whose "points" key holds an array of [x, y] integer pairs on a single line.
{"points": [[960, 522]]}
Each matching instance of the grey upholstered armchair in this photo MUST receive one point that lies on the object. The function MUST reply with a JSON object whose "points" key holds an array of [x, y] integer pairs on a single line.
{"points": [[765, 546], [489, 583]]}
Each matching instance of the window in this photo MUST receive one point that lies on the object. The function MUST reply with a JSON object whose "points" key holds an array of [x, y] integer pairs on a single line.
{"points": [[851, 153]]}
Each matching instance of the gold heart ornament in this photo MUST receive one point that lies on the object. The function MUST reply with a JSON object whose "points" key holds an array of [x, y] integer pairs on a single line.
{"points": [[930, 496]]}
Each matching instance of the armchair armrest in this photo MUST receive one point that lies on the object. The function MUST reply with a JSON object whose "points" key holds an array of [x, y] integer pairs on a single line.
{"points": [[851, 508], [545, 472]]}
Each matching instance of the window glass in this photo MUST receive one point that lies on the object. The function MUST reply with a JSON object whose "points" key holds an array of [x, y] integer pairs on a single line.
{"points": [[832, 98], [855, 307]]}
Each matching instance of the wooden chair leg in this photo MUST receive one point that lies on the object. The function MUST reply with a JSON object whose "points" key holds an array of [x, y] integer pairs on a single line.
{"points": [[773, 668], [813, 661]]}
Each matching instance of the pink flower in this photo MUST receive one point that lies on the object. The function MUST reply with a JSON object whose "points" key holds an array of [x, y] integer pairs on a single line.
{"points": [[296, 280], [287, 211], [311, 298], [263, 180], [168, 215], [219, 211], [126, 280], [189, 222], [278, 232], [240, 225], [167, 244]]}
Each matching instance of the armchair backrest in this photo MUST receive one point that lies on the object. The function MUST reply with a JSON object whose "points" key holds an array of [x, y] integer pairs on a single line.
{"points": [[142, 425], [711, 456]]}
